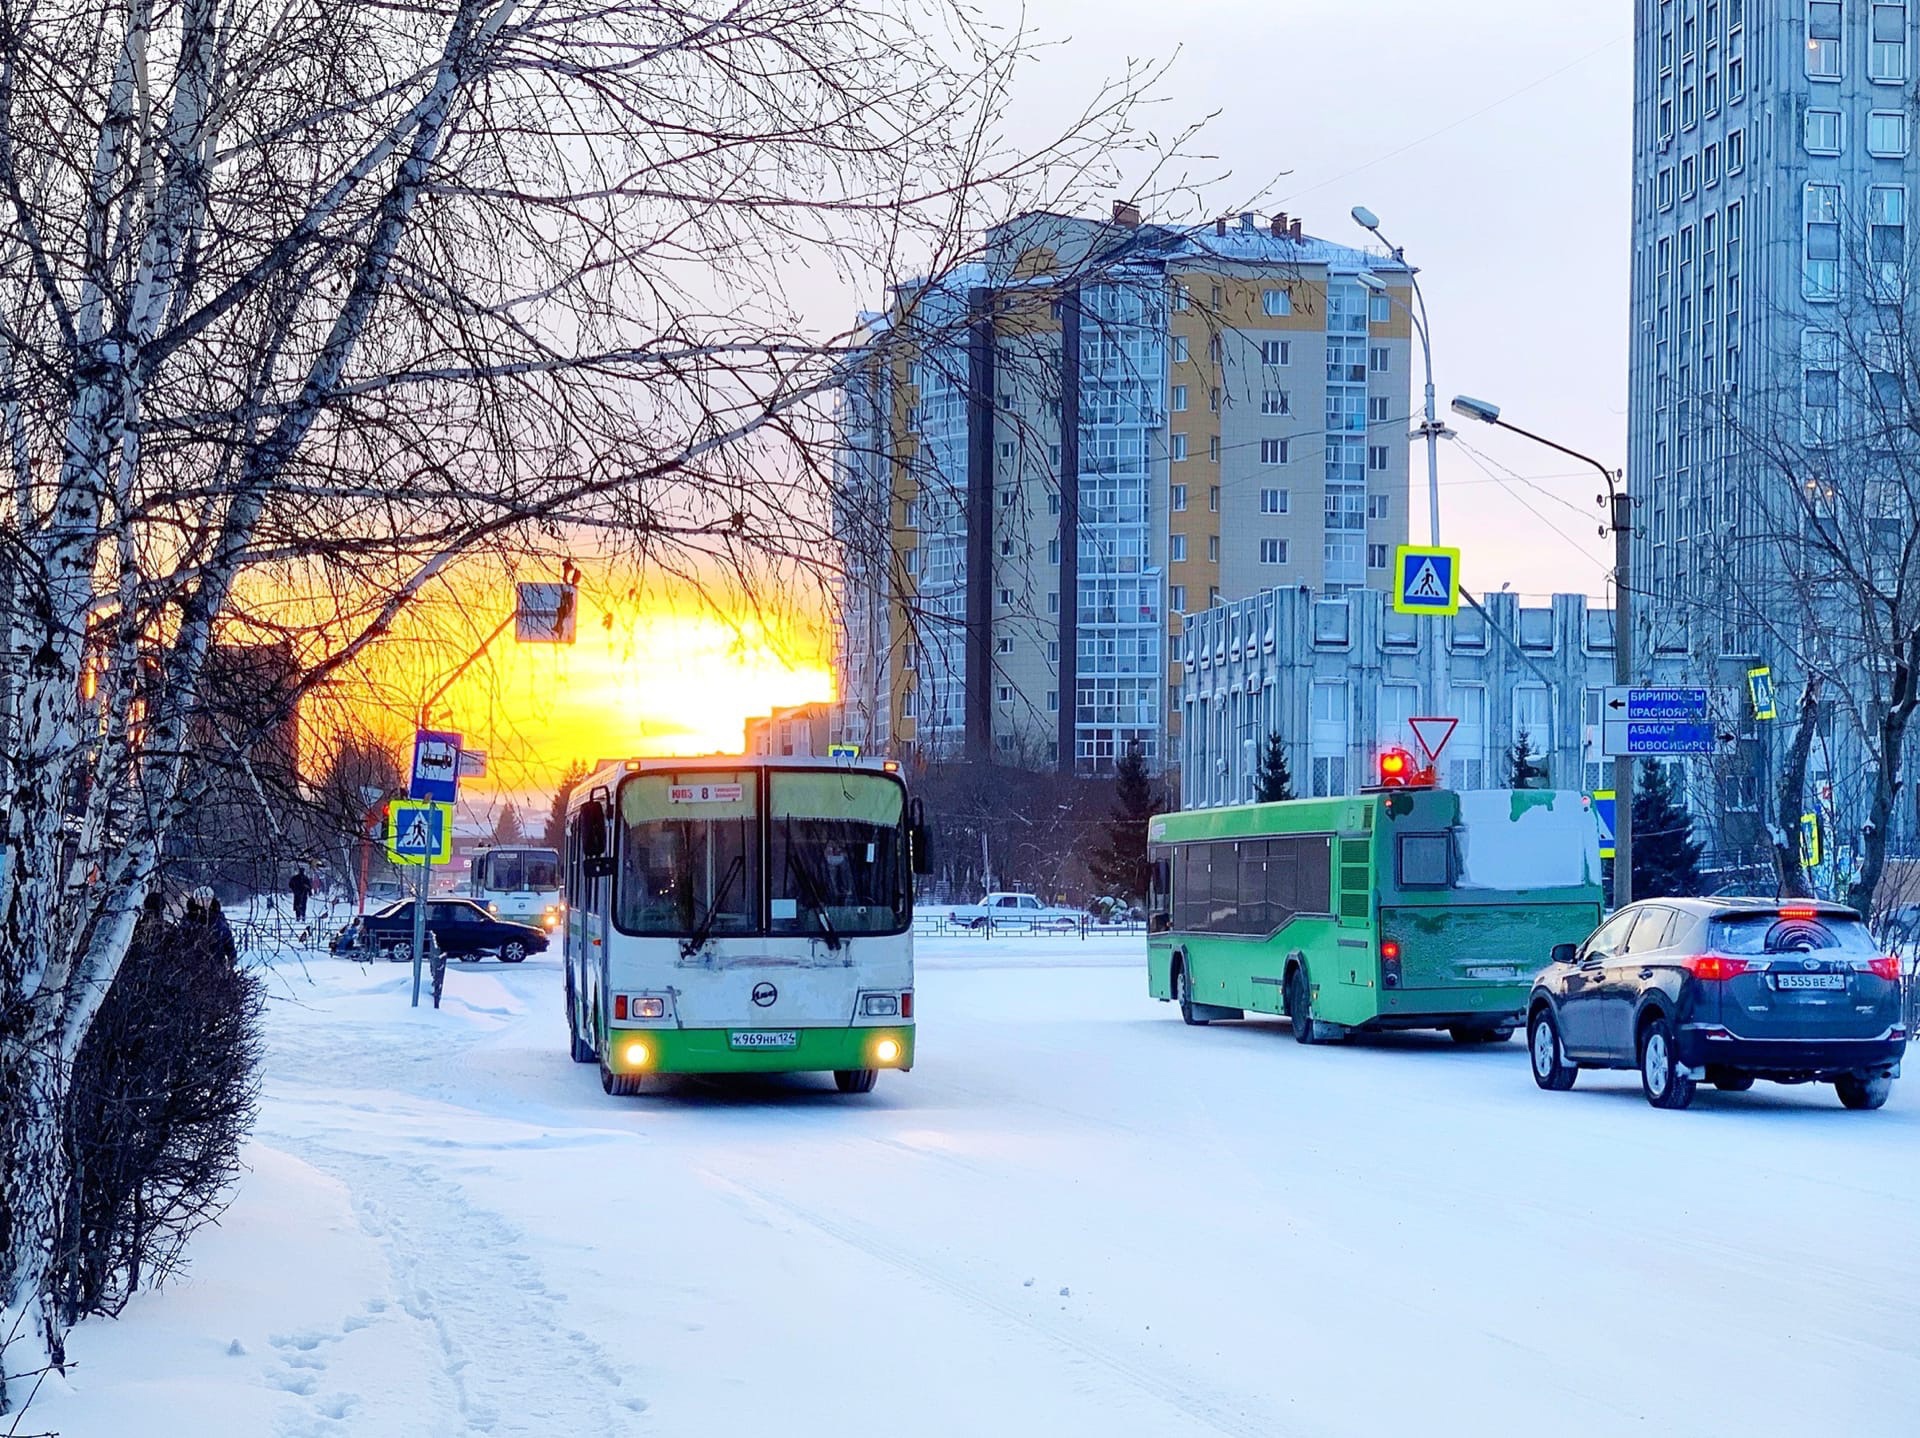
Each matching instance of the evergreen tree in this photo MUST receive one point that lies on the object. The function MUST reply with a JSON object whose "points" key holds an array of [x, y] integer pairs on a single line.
{"points": [[506, 828], [556, 832], [1120, 865], [1666, 856], [1272, 779], [1524, 769]]}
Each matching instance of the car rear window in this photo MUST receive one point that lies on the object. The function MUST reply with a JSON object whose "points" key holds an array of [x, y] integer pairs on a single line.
{"points": [[1774, 934]]}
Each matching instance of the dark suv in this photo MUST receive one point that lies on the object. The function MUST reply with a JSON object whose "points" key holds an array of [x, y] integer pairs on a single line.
{"points": [[1726, 990]]}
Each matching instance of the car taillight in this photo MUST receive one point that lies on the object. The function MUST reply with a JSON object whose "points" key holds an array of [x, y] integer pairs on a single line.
{"points": [[619, 1006], [1390, 963], [1798, 913], [1713, 966], [1887, 967], [906, 1004]]}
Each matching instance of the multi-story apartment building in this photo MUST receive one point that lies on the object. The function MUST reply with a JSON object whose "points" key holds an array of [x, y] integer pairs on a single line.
{"points": [[1773, 165], [1053, 454]]}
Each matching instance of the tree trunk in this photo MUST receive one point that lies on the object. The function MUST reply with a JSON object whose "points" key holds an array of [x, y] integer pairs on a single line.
{"points": [[1791, 799], [30, 1182], [1886, 788]]}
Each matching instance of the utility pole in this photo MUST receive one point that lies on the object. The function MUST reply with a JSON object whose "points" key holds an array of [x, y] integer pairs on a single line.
{"points": [[1619, 505]]}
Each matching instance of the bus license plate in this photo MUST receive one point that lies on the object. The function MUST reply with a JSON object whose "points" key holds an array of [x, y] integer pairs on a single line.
{"points": [[764, 1039], [1809, 981]]}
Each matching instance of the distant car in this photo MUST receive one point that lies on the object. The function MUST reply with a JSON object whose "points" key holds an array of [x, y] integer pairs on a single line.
{"points": [[385, 891], [1016, 911], [1725, 990], [462, 928]]}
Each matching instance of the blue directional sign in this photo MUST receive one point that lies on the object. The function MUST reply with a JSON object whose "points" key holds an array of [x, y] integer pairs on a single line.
{"points": [[1426, 580], [1657, 722], [436, 767], [1660, 737], [1666, 703]]}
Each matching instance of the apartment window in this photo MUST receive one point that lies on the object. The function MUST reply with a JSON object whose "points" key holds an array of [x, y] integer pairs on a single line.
{"points": [[1053, 651], [1053, 601], [1213, 549], [1887, 44], [1276, 401], [1273, 551], [1378, 358], [1665, 187], [1273, 451], [911, 558], [1214, 350], [1003, 693], [1276, 302], [1213, 499], [1376, 458], [1887, 237], [1181, 298], [1377, 506], [1218, 298], [1053, 504], [1380, 309], [1177, 499], [1213, 399], [1006, 599], [909, 704], [1710, 166], [1178, 402], [1689, 183], [1736, 151], [1177, 598], [1053, 550], [1053, 458], [1177, 446], [1276, 352], [1820, 386], [1213, 448], [1823, 131], [1213, 596], [1007, 497], [1273, 501], [1376, 409], [1176, 548], [1820, 272], [1825, 54], [1179, 349], [1887, 134], [1004, 742], [1533, 717], [1376, 556], [1003, 645], [1053, 701]]}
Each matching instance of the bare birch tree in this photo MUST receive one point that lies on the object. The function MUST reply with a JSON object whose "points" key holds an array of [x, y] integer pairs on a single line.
{"points": [[302, 305]]}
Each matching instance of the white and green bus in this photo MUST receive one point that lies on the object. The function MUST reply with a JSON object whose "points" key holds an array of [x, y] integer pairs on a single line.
{"points": [[518, 882], [741, 915]]}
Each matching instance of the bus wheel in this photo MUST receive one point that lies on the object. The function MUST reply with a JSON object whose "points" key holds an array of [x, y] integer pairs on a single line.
{"points": [[578, 1048], [1299, 1006], [1183, 995], [855, 1080]]}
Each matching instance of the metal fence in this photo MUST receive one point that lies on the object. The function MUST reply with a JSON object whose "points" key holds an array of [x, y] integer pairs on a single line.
{"points": [[942, 926]]}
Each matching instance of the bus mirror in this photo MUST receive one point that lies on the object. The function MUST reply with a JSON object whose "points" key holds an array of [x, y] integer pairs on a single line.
{"points": [[922, 858], [593, 829]]}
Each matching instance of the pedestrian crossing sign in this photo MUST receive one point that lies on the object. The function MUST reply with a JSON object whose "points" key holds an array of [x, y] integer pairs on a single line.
{"points": [[419, 832], [1426, 580]]}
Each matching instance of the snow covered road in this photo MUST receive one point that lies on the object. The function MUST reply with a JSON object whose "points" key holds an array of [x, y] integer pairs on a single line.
{"points": [[1075, 1216]]}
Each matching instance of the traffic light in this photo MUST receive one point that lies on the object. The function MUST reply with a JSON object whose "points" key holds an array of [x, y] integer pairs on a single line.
{"points": [[1397, 769]]}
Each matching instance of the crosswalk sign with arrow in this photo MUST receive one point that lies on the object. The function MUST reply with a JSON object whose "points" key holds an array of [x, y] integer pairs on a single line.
{"points": [[1426, 580], [419, 832]]}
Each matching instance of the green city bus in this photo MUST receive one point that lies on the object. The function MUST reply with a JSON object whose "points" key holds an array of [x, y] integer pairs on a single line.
{"points": [[1404, 908]]}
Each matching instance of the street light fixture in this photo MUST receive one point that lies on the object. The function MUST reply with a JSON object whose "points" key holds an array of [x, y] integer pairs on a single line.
{"points": [[1620, 514]]}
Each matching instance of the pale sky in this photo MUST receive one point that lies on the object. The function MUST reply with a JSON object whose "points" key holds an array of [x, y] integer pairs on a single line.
{"points": [[1493, 141]]}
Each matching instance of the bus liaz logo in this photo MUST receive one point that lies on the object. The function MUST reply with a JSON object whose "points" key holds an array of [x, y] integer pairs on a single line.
{"points": [[765, 994]]}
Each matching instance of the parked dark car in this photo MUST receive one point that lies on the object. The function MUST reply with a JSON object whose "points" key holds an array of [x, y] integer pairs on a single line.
{"points": [[462, 928], [1724, 990]]}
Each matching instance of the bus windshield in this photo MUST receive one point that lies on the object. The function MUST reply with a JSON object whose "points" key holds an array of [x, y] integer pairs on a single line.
{"points": [[837, 860], [690, 859], [513, 871]]}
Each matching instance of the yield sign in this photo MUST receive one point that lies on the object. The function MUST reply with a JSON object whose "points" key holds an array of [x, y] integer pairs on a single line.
{"points": [[1441, 730]]}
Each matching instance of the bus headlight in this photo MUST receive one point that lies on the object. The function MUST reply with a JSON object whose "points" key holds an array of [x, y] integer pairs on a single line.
{"points": [[550, 920], [649, 1008], [887, 1051], [880, 1006]]}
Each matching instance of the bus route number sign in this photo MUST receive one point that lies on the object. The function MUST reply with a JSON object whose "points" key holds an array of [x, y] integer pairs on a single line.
{"points": [[706, 794]]}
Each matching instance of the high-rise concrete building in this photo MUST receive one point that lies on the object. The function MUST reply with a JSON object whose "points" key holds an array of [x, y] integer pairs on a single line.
{"points": [[1051, 455], [1773, 165]]}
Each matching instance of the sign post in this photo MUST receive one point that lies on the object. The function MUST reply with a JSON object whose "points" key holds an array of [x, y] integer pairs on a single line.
{"points": [[432, 788]]}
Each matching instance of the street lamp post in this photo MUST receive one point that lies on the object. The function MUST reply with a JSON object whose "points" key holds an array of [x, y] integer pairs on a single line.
{"points": [[1430, 429], [1620, 515]]}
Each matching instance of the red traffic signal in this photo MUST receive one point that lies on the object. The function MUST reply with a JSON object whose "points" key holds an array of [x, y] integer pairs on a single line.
{"points": [[1400, 770]]}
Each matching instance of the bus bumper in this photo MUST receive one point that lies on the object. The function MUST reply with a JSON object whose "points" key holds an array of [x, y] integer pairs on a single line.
{"points": [[719, 1051], [1444, 1008]]}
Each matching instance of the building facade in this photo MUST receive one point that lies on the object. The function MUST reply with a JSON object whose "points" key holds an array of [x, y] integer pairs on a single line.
{"points": [[800, 730], [1773, 166], [1051, 455]]}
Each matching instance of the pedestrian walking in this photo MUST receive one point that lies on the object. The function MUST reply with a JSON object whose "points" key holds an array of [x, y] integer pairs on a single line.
{"points": [[301, 887]]}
